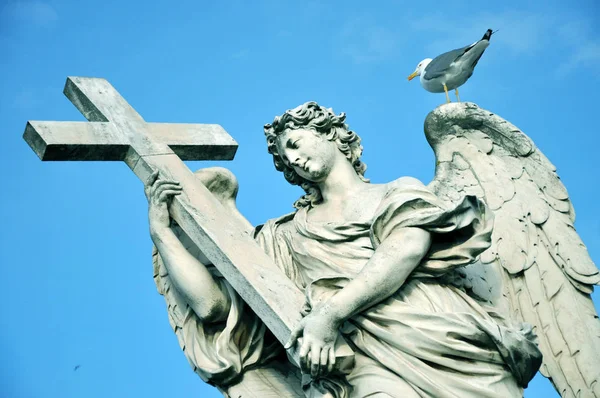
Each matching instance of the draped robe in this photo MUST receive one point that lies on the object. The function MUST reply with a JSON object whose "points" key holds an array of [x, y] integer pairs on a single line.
{"points": [[429, 339]]}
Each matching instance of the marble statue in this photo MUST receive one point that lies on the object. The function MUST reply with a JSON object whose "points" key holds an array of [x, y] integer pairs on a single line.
{"points": [[429, 284], [464, 287]]}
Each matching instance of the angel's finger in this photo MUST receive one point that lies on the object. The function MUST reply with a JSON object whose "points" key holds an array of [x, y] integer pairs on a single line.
{"points": [[324, 361], [297, 332], [152, 178], [157, 192], [148, 184], [303, 355], [331, 361], [166, 186], [304, 348], [315, 360], [164, 195], [305, 364], [160, 183]]}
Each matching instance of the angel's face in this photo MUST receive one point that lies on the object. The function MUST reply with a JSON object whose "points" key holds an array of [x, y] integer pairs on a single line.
{"points": [[308, 152]]}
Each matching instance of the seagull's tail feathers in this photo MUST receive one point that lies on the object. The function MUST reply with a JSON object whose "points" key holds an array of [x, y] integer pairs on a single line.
{"points": [[481, 48], [487, 35]]}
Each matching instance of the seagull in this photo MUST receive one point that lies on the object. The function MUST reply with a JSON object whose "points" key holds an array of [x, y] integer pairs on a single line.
{"points": [[452, 69]]}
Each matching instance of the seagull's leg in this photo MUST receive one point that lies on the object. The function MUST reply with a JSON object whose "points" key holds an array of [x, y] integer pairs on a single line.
{"points": [[446, 91], [457, 96]]}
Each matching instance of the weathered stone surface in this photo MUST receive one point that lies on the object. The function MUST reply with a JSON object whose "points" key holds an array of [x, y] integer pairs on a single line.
{"points": [[537, 269], [224, 240], [101, 141], [380, 263]]}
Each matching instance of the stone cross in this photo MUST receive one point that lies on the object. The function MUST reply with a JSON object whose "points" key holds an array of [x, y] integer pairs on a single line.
{"points": [[118, 132]]}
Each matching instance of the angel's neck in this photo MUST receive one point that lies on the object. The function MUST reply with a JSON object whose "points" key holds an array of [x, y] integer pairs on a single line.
{"points": [[341, 182]]}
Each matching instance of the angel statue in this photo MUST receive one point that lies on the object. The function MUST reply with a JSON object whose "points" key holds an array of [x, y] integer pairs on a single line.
{"points": [[451, 289]]}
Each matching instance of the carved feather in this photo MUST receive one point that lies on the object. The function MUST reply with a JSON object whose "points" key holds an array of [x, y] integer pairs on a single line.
{"points": [[546, 272]]}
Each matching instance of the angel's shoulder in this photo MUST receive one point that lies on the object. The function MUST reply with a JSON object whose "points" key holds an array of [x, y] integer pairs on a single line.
{"points": [[275, 224], [405, 182]]}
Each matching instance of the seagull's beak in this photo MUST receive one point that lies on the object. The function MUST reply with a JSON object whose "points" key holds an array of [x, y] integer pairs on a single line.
{"points": [[412, 75]]}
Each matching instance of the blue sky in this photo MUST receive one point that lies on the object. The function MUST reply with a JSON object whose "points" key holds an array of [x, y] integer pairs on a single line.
{"points": [[74, 244]]}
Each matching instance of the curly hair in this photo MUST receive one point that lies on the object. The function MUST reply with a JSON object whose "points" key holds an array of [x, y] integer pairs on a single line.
{"points": [[312, 116]]}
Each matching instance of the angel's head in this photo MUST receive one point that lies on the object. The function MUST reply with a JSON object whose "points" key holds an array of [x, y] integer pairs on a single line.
{"points": [[306, 142]]}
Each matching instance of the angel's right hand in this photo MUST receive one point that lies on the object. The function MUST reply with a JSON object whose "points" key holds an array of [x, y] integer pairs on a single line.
{"points": [[159, 194]]}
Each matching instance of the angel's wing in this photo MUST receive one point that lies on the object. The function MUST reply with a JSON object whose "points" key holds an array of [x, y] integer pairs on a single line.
{"points": [[274, 379], [537, 266]]}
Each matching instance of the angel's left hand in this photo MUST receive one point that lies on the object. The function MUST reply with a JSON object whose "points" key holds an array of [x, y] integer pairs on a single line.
{"points": [[318, 330]]}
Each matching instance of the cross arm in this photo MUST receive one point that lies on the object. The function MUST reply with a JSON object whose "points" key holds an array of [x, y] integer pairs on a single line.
{"points": [[118, 132], [195, 141], [100, 140]]}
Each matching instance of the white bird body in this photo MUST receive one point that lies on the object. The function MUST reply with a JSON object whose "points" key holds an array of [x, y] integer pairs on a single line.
{"points": [[452, 68]]}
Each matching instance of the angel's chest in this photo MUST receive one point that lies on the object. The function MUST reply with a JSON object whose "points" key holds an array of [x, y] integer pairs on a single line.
{"points": [[353, 210]]}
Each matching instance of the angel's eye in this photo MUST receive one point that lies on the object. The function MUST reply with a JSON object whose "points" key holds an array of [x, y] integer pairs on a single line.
{"points": [[292, 144]]}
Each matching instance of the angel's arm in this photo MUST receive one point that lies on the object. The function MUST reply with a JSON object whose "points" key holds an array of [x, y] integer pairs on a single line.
{"points": [[387, 270], [190, 277]]}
